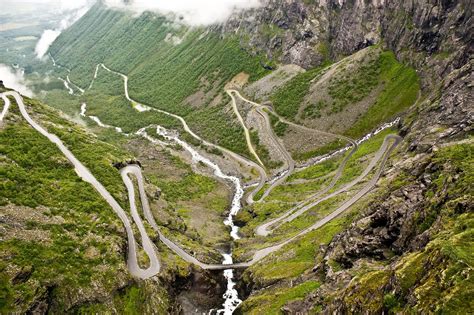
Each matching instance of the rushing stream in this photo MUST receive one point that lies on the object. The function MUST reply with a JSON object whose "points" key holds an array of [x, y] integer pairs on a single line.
{"points": [[231, 296], [97, 120]]}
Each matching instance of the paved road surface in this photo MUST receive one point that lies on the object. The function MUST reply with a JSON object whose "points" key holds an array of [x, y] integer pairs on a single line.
{"points": [[148, 246], [87, 176]]}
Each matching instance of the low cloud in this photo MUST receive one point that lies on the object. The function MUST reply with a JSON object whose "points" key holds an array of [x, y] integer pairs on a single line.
{"points": [[192, 12], [14, 79], [47, 38], [72, 11]]}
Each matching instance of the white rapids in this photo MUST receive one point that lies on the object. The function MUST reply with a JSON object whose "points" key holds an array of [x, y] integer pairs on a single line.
{"points": [[231, 296], [97, 120], [325, 157]]}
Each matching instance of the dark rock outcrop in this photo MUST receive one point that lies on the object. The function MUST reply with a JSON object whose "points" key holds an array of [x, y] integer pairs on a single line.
{"points": [[436, 38], [304, 33], [122, 164]]}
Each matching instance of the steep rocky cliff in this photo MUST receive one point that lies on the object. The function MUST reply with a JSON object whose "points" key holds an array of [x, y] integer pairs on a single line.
{"points": [[307, 32], [408, 250]]}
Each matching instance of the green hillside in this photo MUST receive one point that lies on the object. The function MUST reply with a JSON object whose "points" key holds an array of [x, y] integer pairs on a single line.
{"points": [[170, 67], [165, 62], [61, 241], [63, 247]]}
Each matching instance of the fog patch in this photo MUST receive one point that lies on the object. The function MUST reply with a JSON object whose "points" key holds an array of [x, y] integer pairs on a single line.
{"points": [[14, 79], [72, 12], [191, 12], [47, 38]]}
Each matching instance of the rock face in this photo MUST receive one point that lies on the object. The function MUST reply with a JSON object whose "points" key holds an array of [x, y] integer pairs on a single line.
{"points": [[396, 247], [305, 33], [397, 234], [287, 31]]}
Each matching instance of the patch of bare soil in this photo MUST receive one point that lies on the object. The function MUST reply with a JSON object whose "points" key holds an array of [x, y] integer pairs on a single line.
{"points": [[14, 223], [319, 96], [297, 140], [238, 81], [263, 88]]}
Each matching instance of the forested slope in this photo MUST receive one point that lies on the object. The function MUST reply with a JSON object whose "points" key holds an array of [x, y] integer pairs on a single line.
{"points": [[166, 62]]}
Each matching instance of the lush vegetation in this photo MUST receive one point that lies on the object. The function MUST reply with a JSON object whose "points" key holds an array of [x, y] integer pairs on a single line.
{"points": [[325, 149], [287, 100], [297, 257], [439, 275], [190, 186], [380, 79], [167, 63], [69, 235], [315, 171], [98, 157], [271, 302], [345, 90], [107, 101], [278, 126], [400, 90], [216, 125]]}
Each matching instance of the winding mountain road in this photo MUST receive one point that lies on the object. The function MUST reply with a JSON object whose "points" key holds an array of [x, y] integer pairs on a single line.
{"points": [[149, 247], [266, 228], [246, 130], [381, 156], [291, 164], [87, 176], [147, 244], [143, 107], [286, 155]]}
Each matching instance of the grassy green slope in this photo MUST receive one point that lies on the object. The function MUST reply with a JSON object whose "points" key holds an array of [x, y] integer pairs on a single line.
{"points": [[107, 101], [434, 279], [61, 242], [288, 98], [395, 87], [163, 73], [438, 278], [400, 90]]}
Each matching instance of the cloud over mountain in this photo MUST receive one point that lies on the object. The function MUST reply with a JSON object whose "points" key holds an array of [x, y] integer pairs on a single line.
{"points": [[192, 12], [14, 79], [72, 11]]}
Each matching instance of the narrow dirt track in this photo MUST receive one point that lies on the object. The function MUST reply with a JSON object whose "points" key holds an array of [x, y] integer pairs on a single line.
{"points": [[286, 155], [246, 130]]}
